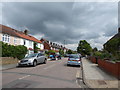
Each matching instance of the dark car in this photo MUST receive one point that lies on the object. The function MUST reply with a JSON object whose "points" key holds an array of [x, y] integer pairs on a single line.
{"points": [[58, 56], [66, 55], [55, 56]]}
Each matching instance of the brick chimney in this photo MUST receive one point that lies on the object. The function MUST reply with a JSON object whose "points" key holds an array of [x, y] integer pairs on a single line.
{"points": [[25, 32]]}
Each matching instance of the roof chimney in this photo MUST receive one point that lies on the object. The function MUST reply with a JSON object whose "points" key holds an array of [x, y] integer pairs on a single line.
{"points": [[25, 32]]}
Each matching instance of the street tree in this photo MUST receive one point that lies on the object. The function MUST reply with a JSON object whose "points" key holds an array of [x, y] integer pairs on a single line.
{"points": [[61, 52], [84, 47]]}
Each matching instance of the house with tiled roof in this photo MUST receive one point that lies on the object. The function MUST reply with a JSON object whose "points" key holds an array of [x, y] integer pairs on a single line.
{"points": [[114, 37], [15, 37], [48, 45]]}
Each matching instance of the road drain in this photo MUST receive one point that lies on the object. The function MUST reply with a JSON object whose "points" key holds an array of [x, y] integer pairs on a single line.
{"points": [[101, 82]]}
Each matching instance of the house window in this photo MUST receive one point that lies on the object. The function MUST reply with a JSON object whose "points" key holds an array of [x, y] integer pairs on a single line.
{"points": [[15, 40], [24, 42], [30, 43], [5, 38]]}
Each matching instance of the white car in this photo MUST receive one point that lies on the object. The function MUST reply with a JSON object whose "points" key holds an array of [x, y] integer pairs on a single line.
{"points": [[33, 59]]}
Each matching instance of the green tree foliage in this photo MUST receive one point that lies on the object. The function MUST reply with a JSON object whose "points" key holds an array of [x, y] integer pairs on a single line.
{"points": [[35, 48], [61, 52], [102, 55], [13, 51], [84, 48], [95, 49], [70, 52], [113, 47], [50, 52]]}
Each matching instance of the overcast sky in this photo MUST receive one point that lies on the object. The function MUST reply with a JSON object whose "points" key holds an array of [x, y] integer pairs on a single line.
{"points": [[95, 22]]}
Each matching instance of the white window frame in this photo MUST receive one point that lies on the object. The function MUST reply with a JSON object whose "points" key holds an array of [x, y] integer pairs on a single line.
{"points": [[30, 43], [6, 38], [15, 40]]}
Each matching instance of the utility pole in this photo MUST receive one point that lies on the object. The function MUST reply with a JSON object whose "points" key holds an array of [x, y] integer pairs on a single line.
{"points": [[64, 43]]}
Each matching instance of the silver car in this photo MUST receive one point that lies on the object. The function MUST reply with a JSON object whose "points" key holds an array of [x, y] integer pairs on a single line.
{"points": [[74, 59], [33, 59]]}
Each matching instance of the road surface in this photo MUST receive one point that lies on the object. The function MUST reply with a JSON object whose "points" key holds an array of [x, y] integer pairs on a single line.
{"points": [[54, 74]]}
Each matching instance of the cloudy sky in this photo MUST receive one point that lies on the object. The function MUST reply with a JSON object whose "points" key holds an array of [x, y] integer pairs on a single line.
{"points": [[95, 22]]}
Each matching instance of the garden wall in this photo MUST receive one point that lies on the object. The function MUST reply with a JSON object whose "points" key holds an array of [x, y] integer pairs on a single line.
{"points": [[93, 59], [110, 67]]}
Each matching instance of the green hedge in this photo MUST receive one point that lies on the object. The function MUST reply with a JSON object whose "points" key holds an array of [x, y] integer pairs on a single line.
{"points": [[102, 55], [13, 51]]}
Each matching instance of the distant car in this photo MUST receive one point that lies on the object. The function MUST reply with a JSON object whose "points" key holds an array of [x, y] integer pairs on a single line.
{"points": [[33, 59], [52, 57], [55, 56], [74, 59], [66, 55], [58, 56]]}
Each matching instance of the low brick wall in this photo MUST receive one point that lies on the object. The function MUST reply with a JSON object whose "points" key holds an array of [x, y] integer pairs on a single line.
{"points": [[110, 67], [93, 59]]}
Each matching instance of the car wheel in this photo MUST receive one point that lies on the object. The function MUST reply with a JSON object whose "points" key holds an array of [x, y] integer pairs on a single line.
{"points": [[45, 61], [34, 63], [68, 65]]}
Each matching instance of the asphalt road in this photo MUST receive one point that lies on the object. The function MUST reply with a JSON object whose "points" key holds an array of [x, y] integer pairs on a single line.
{"points": [[54, 74]]}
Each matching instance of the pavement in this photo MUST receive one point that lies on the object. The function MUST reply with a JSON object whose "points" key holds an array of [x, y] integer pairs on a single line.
{"points": [[94, 77], [9, 66]]}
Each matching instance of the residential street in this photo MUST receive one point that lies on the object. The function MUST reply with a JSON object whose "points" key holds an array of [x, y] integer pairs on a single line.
{"points": [[54, 74]]}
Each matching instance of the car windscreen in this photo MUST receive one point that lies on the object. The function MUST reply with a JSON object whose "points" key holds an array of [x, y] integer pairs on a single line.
{"points": [[31, 55], [74, 56]]}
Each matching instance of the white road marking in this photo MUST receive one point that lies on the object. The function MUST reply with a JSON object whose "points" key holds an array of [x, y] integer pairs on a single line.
{"points": [[24, 77], [78, 84], [78, 74]]}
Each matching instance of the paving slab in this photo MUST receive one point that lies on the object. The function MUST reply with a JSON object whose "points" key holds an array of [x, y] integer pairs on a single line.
{"points": [[95, 77], [9, 66]]}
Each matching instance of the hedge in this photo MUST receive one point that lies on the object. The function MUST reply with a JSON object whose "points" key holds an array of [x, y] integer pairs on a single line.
{"points": [[13, 51]]}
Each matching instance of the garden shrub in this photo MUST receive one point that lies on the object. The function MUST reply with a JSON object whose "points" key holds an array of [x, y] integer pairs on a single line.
{"points": [[13, 51]]}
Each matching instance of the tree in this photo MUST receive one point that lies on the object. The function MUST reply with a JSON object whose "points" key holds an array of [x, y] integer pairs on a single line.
{"points": [[84, 48], [70, 52], [95, 49], [35, 48], [61, 52], [13, 51], [113, 47], [50, 52]]}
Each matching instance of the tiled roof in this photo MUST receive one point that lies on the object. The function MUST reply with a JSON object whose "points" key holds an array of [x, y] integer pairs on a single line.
{"points": [[13, 32], [7, 30]]}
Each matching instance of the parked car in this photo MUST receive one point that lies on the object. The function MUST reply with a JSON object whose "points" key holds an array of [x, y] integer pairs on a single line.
{"points": [[52, 57], [74, 59], [66, 55], [58, 56], [55, 56], [33, 59]]}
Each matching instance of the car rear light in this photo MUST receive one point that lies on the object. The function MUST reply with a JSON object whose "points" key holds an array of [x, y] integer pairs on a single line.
{"points": [[79, 60], [68, 59]]}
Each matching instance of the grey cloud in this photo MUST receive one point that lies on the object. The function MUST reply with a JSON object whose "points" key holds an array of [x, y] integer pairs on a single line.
{"points": [[63, 21]]}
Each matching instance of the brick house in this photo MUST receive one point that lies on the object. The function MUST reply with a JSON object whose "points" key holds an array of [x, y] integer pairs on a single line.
{"points": [[115, 36], [48, 45]]}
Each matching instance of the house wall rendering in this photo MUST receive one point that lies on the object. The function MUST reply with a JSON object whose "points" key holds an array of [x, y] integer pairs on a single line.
{"points": [[16, 37]]}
